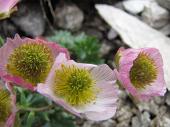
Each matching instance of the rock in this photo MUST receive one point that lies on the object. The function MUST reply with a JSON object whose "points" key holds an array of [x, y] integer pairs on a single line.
{"points": [[7, 29], [88, 124], [124, 113], [105, 48], [155, 16], [145, 119], [69, 17], [136, 6], [168, 99], [107, 123], [149, 107], [163, 121], [136, 122], [164, 3], [123, 124], [112, 34], [29, 19], [159, 100], [137, 34], [165, 30], [119, 4], [162, 110], [94, 32]]}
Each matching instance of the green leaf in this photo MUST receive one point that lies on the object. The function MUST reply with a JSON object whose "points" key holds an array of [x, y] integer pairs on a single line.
{"points": [[1, 41], [83, 47], [30, 119]]}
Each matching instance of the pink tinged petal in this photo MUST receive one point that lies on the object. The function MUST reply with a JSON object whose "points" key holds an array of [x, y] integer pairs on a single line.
{"points": [[6, 5], [103, 73], [61, 58], [99, 116], [10, 46], [45, 90], [105, 105], [157, 88], [106, 99], [19, 81], [55, 48]]}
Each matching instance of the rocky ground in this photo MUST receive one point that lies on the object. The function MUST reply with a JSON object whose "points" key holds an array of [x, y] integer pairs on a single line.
{"points": [[41, 18]]}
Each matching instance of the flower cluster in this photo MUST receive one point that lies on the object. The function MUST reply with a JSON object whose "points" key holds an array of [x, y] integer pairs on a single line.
{"points": [[86, 90]]}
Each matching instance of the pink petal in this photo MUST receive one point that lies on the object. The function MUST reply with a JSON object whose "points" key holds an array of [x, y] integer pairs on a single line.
{"points": [[157, 88], [6, 5], [106, 99], [10, 46]]}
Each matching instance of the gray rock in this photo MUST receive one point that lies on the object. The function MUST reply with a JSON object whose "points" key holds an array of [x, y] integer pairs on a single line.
{"points": [[168, 99], [155, 16], [164, 3], [145, 119], [123, 124], [163, 121], [69, 17], [107, 123], [162, 110], [105, 48], [137, 34], [159, 100], [165, 30], [136, 122], [148, 106], [124, 113], [88, 124], [29, 18], [94, 32], [112, 34], [135, 6]]}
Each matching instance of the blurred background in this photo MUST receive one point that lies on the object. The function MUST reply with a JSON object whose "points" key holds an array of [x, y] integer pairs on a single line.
{"points": [[76, 25]]}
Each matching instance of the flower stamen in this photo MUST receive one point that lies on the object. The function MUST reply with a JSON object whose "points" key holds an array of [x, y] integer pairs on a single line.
{"points": [[5, 105], [32, 61], [143, 71], [75, 85]]}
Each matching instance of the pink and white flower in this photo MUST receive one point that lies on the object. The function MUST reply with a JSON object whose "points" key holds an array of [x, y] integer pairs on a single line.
{"points": [[26, 61], [7, 7], [85, 90], [140, 72], [8, 106]]}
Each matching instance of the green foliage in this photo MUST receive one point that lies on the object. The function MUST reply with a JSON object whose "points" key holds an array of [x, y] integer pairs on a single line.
{"points": [[1, 41], [31, 114], [83, 47]]}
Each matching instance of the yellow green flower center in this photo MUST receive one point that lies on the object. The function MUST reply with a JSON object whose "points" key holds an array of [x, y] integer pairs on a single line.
{"points": [[75, 85], [143, 71], [5, 105], [31, 61]]}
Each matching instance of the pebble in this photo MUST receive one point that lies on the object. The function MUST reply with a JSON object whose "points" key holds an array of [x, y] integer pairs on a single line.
{"points": [[135, 6], [164, 3], [29, 19], [69, 17], [168, 99], [112, 34], [155, 16]]}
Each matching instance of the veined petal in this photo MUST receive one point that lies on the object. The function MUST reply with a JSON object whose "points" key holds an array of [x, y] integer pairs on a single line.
{"points": [[146, 82], [104, 89], [26, 61]]}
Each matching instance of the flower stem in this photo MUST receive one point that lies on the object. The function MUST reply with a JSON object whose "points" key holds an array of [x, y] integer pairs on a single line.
{"points": [[31, 109]]}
